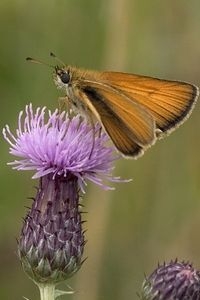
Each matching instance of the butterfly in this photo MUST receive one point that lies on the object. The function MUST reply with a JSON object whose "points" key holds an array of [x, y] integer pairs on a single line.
{"points": [[134, 110]]}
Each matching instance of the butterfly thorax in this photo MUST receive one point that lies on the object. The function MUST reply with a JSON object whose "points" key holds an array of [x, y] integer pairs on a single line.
{"points": [[71, 80]]}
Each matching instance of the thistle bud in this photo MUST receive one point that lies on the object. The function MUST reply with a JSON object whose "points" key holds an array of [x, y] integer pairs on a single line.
{"points": [[172, 281]]}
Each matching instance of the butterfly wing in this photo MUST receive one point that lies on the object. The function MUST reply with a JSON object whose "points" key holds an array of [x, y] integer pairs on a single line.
{"points": [[134, 109], [130, 126], [169, 102]]}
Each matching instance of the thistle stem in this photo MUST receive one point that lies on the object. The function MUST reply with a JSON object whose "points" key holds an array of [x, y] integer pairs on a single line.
{"points": [[47, 291]]}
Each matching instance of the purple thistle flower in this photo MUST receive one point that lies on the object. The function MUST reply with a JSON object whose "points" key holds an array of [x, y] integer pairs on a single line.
{"points": [[59, 150], [60, 146], [172, 281]]}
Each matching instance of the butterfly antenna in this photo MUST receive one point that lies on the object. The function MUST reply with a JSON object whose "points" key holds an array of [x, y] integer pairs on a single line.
{"points": [[36, 61], [58, 59]]}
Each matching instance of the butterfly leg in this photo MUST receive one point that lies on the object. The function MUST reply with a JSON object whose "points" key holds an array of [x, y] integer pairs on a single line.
{"points": [[100, 131], [93, 134], [80, 121], [62, 102]]}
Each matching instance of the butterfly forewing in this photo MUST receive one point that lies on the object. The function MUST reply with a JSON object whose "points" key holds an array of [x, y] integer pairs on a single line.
{"points": [[121, 138], [169, 102], [129, 125]]}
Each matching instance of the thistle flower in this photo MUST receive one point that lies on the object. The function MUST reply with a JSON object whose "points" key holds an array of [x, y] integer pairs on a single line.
{"points": [[64, 153], [172, 281], [60, 146]]}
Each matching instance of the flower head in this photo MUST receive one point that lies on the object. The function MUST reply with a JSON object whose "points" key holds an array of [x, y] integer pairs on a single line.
{"points": [[58, 145], [172, 281]]}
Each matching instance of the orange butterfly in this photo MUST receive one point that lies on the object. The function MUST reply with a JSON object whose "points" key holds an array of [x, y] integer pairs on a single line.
{"points": [[134, 110]]}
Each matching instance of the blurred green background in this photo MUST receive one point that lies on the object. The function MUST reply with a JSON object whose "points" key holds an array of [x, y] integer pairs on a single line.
{"points": [[154, 218]]}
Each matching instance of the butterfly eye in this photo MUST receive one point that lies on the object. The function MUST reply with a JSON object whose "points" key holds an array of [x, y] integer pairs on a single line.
{"points": [[65, 77]]}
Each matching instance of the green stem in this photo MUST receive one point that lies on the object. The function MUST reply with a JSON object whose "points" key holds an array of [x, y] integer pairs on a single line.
{"points": [[47, 291]]}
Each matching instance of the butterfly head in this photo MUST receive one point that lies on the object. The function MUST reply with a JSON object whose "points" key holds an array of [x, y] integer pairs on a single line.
{"points": [[62, 77]]}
